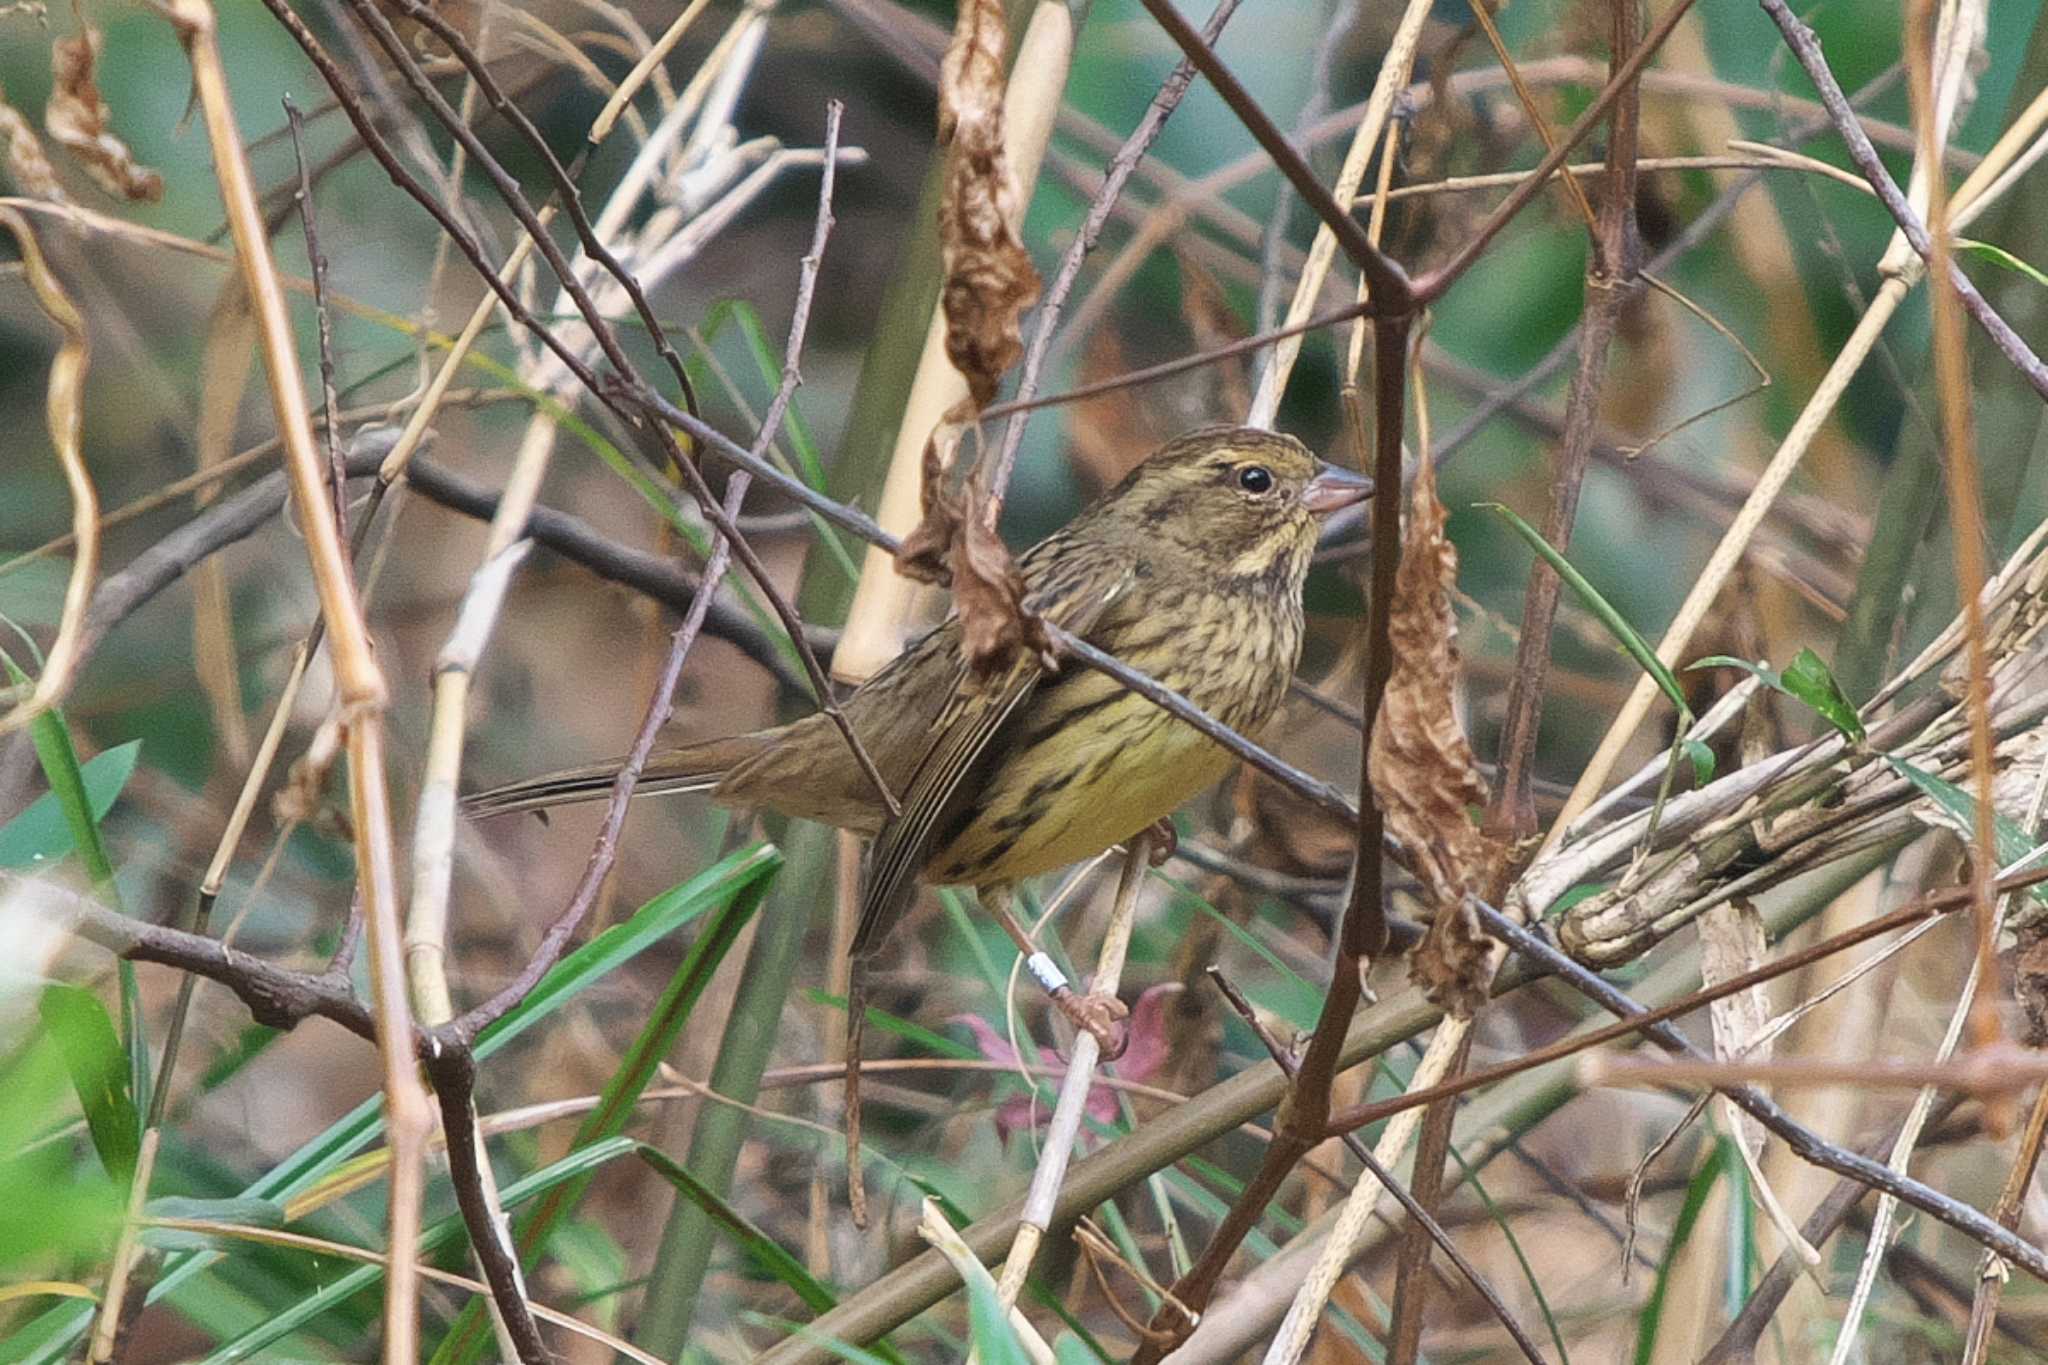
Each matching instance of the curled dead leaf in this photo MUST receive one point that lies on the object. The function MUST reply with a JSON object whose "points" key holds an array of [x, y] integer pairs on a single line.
{"points": [[1424, 775], [76, 120], [988, 592], [926, 553], [27, 166], [989, 279]]}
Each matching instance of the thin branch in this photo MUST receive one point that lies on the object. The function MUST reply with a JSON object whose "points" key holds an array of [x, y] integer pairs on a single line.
{"points": [[1391, 289], [1434, 285], [1422, 1216], [1610, 271], [558, 934], [1804, 1142], [1806, 48]]}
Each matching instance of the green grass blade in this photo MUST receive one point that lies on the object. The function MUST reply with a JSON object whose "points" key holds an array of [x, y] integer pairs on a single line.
{"points": [[1696, 1194], [764, 1251], [1959, 811], [99, 1072], [48, 1338], [1617, 625], [622, 1091], [1999, 256], [444, 1233], [44, 832]]}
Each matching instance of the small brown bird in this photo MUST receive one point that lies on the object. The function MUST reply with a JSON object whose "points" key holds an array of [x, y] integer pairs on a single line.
{"points": [[1189, 570]]}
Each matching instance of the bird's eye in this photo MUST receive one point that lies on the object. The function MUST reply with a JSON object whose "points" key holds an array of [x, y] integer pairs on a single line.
{"points": [[1255, 478]]}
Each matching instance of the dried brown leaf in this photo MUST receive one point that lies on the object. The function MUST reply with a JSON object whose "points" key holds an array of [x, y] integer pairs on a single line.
{"points": [[1731, 943], [1454, 961], [988, 592], [1424, 776], [989, 279], [926, 553], [76, 120], [27, 166]]}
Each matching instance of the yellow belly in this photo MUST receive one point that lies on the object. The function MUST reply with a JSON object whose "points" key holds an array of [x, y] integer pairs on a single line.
{"points": [[1112, 774]]}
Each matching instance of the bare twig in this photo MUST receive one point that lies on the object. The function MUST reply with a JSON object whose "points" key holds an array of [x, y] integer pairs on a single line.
{"points": [[1610, 271], [1804, 1142], [557, 936]]}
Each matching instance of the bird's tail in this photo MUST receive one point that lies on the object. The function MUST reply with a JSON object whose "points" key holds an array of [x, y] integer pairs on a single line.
{"points": [[691, 768]]}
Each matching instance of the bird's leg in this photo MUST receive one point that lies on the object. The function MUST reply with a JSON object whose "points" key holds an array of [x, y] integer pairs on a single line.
{"points": [[1099, 1015], [1165, 841], [856, 1024]]}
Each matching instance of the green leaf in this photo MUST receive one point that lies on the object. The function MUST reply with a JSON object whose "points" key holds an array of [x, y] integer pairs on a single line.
{"points": [[1959, 811], [769, 365], [59, 758], [1702, 762], [99, 1074], [1809, 679], [995, 1341], [1696, 1194], [447, 1232], [48, 1337], [43, 832], [1617, 625], [938, 1043], [764, 1251], [621, 1092], [656, 920], [1998, 255]]}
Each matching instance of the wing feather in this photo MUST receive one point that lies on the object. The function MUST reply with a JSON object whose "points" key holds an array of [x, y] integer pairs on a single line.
{"points": [[963, 737]]}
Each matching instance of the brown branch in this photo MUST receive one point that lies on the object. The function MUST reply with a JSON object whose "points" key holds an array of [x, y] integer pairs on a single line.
{"points": [[2011, 1198], [1697, 231], [1610, 275], [1738, 1341], [1121, 167], [452, 1069], [1434, 285], [277, 997], [558, 934], [1939, 903], [1414, 1206], [1391, 289]]}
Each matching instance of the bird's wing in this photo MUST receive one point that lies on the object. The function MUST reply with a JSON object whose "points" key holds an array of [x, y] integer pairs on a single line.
{"points": [[963, 736]]}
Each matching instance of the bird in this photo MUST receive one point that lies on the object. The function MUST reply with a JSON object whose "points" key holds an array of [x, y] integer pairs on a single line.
{"points": [[1190, 570]]}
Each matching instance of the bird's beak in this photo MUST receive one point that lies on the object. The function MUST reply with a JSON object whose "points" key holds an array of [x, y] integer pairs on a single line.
{"points": [[1333, 487]]}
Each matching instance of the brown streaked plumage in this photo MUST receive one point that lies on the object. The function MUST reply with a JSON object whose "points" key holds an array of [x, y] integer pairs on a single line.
{"points": [[1190, 570]]}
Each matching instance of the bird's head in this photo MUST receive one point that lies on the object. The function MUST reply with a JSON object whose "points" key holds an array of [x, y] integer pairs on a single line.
{"points": [[1245, 500]]}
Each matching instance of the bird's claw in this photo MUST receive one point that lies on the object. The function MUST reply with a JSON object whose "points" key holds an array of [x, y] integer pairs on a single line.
{"points": [[1101, 1017], [1163, 841]]}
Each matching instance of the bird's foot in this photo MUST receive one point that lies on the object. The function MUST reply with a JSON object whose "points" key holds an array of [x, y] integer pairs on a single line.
{"points": [[1164, 841], [1100, 1016]]}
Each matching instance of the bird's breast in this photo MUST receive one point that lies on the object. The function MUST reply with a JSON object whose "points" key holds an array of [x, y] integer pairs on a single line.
{"points": [[1088, 763]]}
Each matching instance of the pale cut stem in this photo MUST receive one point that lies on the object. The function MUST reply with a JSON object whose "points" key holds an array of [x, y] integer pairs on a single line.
{"points": [[1923, 1104], [1393, 79], [359, 679], [886, 605], [945, 1240], [1072, 1105], [1353, 1219]]}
